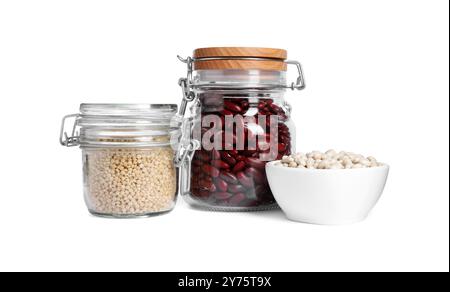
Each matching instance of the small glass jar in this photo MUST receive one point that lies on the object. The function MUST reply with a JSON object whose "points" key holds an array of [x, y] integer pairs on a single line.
{"points": [[241, 121], [128, 157]]}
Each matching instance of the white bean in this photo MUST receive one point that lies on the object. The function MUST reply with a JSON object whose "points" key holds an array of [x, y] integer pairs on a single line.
{"points": [[372, 159], [323, 165], [336, 166], [365, 162], [331, 159]]}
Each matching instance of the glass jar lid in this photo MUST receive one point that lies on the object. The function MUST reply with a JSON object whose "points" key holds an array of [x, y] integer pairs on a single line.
{"points": [[123, 125], [239, 68], [126, 114]]}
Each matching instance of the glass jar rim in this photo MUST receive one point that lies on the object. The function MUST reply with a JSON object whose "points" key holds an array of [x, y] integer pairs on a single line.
{"points": [[128, 109]]}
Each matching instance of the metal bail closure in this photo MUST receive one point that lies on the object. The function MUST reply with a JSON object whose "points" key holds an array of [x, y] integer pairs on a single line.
{"points": [[187, 146], [74, 138], [300, 83], [186, 86], [184, 154]]}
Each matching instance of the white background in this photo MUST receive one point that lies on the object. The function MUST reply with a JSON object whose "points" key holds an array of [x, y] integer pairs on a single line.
{"points": [[377, 83]]}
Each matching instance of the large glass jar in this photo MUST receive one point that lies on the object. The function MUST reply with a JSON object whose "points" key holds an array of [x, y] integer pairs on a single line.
{"points": [[241, 121], [128, 158]]}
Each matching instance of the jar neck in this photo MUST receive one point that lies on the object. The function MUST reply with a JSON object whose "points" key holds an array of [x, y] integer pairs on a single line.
{"points": [[240, 79], [143, 137]]}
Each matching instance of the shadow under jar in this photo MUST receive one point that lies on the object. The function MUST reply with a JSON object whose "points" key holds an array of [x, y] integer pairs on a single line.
{"points": [[128, 159], [242, 122]]}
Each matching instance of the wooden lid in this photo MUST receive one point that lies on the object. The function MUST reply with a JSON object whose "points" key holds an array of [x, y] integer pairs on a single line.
{"points": [[240, 52], [271, 59]]}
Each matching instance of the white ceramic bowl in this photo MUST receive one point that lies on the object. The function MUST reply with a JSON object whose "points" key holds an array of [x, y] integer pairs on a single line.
{"points": [[326, 196]]}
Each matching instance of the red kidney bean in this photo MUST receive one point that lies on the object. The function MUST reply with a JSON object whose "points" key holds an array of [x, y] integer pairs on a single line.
{"points": [[282, 117], [228, 158], [206, 185], [249, 152], [207, 178], [232, 107], [221, 184], [204, 156], [229, 177], [275, 109], [210, 170], [239, 167], [252, 203], [215, 154], [260, 189], [240, 158], [285, 132], [220, 164], [222, 195], [263, 193], [258, 176], [226, 113], [236, 188], [203, 193], [237, 199], [244, 180], [256, 163], [281, 147], [284, 139], [197, 162]]}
